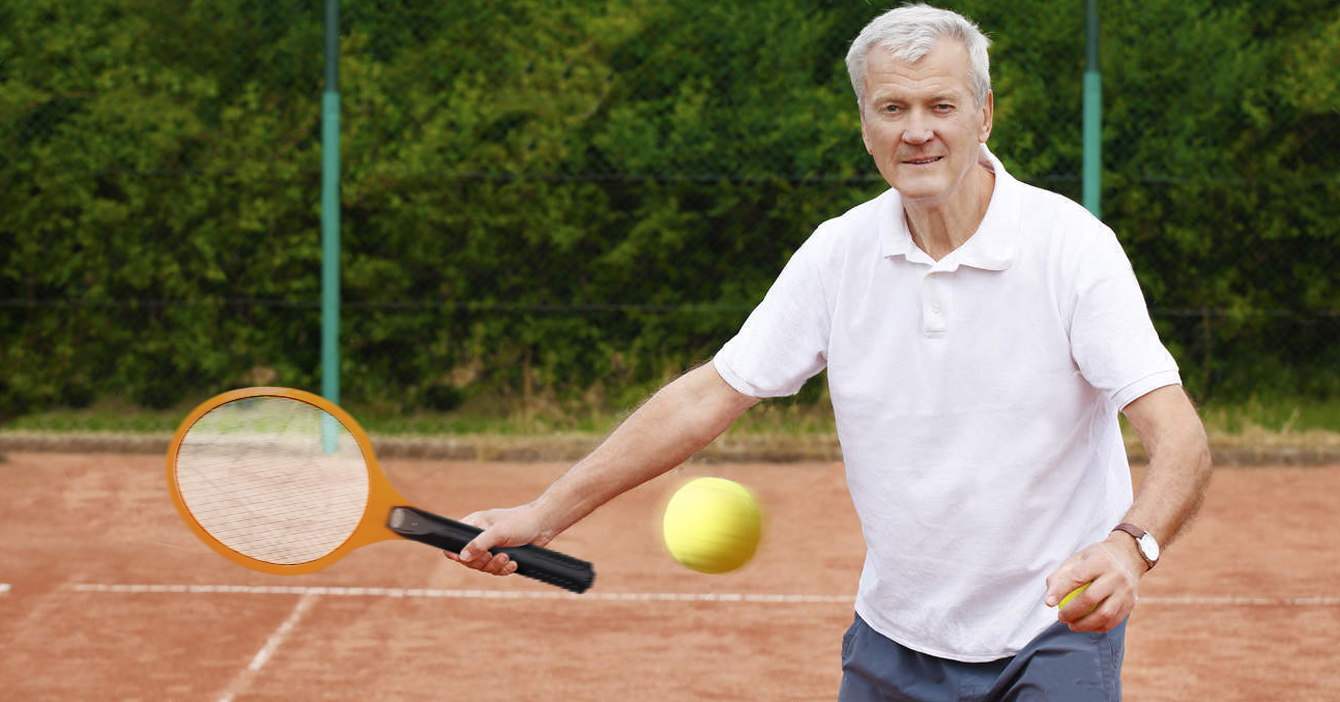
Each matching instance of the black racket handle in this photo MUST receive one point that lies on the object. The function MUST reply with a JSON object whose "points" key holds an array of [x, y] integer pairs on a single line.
{"points": [[547, 566]]}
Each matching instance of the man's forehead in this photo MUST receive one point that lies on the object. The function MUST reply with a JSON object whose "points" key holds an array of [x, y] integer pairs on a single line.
{"points": [[946, 65], [946, 58]]}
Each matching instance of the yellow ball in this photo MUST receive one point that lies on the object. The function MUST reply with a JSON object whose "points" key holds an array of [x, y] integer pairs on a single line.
{"points": [[1073, 594], [712, 525]]}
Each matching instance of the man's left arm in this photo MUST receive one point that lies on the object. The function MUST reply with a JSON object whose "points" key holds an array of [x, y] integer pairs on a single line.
{"points": [[1169, 495]]}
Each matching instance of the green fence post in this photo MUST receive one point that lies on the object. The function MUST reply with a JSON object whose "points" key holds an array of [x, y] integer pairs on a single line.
{"points": [[1093, 114], [330, 222]]}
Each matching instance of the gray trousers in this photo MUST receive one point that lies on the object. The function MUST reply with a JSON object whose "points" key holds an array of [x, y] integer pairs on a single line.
{"points": [[1057, 666]]}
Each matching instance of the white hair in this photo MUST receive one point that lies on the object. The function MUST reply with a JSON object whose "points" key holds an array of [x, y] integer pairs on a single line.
{"points": [[910, 32]]}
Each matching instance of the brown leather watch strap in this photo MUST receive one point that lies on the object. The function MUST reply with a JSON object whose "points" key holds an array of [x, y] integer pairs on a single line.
{"points": [[1131, 529], [1137, 533]]}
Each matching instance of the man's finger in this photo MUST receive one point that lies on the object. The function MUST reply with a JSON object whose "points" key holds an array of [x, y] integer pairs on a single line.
{"points": [[476, 553], [1082, 568], [496, 565], [1087, 599], [1106, 616], [1065, 581]]}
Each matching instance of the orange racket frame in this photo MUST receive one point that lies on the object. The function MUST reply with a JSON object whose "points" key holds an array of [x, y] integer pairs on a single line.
{"points": [[383, 499], [382, 496]]}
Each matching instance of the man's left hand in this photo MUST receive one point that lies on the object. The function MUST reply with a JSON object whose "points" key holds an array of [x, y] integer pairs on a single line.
{"points": [[1113, 569]]}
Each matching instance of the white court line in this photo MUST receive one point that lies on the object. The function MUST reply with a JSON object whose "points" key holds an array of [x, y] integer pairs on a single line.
{"points": [[628, 596], [244, 678], [1245, 601], [461, 594]]}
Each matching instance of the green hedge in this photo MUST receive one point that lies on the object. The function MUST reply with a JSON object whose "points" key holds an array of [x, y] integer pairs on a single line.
{"points": [[577, 200]]}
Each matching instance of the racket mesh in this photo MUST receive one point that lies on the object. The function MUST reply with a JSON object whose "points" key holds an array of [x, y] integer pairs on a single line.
{"points": [[274, 479]]}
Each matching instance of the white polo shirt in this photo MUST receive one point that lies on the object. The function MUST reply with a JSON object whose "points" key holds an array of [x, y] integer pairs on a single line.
{"points": [[976, 400]]}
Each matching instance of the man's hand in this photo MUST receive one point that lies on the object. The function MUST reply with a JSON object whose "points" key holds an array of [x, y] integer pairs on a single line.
{"points": [[516, 526], [1113, 569]]}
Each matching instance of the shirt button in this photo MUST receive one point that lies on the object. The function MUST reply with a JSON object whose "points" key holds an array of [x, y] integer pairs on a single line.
{"points": [[935, 307]]}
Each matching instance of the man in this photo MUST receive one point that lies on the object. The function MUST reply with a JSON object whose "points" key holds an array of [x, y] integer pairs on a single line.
{"points": [[980, 336]]}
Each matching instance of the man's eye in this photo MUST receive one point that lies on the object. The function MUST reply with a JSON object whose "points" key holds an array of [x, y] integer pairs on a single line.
{"points": [[944, 107], [892, 109]]}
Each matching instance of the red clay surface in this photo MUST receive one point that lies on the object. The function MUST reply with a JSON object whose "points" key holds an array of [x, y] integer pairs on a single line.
{"points": [[1245, 608]]}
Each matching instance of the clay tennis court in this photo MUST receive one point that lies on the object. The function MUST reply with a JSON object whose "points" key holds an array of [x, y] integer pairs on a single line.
{"points": [[105, 595]]}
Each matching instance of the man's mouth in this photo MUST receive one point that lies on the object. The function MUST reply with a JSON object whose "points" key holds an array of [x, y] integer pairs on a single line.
{"points": [[922, 161]]}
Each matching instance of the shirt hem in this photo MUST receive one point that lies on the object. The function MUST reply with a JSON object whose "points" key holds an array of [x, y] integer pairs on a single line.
{"points": [[1145, 385], [734, 380], [907, 642]]}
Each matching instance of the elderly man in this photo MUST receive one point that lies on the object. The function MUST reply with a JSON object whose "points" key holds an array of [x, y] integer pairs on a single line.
{"points": [[980, 337]]}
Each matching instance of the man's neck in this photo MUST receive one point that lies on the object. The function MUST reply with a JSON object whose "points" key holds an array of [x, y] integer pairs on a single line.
{"points": [[941, 227]]}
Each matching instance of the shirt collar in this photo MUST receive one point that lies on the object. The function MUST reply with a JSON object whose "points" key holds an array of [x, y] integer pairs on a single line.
{"points": [[991, 247]]}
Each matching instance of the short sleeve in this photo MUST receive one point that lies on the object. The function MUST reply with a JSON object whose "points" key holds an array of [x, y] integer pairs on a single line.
{"points": [[784, 342], [1112, 338]]}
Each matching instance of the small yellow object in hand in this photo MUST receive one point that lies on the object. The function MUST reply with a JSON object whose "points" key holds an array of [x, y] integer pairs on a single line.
{"points": [[1073, 594]]}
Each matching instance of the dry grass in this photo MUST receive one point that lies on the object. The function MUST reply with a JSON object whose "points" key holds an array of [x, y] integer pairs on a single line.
{"points": [[1249, 433]]}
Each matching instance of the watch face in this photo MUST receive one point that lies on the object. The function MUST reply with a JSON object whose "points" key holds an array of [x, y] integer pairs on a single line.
{"points": [[1149, 547]]}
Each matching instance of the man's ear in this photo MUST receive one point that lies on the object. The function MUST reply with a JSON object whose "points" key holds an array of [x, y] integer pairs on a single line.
{"points": [[988, 113]]}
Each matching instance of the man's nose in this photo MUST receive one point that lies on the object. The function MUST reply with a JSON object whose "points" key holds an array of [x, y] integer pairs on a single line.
{"points": [[918, 129]]}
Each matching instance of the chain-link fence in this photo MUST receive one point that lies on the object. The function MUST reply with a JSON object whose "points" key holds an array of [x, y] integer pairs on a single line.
{"points": [[574, 200]]}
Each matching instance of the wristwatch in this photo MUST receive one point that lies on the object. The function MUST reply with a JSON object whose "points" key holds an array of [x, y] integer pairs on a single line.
{"points": [[1144, 543]]}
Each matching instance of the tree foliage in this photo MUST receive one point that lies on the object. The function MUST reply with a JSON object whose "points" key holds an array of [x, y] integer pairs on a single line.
{"points": [[579, 198]]}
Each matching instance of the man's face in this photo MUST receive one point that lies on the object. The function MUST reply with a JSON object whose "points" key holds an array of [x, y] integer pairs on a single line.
{"points": [[921, 123]]}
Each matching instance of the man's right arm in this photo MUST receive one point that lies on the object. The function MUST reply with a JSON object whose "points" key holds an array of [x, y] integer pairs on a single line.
{"points": [[678, 421]]}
